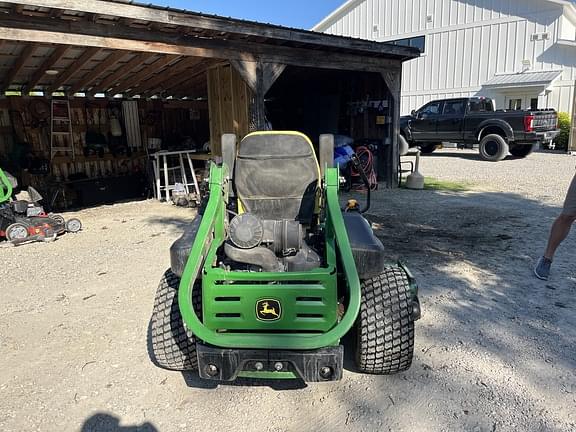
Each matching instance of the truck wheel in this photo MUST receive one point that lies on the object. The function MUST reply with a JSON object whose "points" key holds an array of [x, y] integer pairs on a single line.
{"points": [[428, 148], [171, 345], [521, 150], [385, 324], [493, 148]]}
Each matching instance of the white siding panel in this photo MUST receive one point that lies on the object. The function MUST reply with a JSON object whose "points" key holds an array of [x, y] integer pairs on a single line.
{"points": [[467, 43]]}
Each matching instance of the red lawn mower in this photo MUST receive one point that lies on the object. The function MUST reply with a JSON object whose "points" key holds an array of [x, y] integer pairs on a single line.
{"points": [[23, 221]]}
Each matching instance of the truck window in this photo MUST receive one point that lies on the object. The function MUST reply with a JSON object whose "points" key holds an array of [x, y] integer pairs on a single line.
{"points": [[480, 105], [454, 107], [433, 108]]}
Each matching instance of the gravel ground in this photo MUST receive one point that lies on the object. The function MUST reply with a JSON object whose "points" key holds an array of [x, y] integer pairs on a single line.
{"points": [[543, 175], [495, 348]]}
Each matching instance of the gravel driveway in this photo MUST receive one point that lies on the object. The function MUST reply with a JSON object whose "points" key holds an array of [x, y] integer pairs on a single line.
{"points": [[495, 349]]}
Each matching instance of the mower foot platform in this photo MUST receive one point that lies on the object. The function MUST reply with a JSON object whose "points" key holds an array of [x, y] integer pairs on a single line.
{"points": [[223, 364]]}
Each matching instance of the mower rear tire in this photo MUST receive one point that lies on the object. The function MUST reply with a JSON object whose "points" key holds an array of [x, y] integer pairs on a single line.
{"points": [[172, 346], [386, 324], [17, 231]]}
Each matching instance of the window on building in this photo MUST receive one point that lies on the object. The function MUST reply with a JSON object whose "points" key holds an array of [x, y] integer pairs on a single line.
{"points": [[515, 104], [454, 107], [414, 42], [534, 104]]}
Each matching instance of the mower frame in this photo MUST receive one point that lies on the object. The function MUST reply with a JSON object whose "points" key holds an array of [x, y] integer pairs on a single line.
{"points": [[291, 334]]}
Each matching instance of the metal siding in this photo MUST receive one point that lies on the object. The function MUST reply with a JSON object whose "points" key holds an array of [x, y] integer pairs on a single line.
{"points": [[467, 42]]}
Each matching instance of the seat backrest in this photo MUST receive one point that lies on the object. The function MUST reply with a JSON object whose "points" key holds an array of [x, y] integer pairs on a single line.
{"points": [[277, 175]]}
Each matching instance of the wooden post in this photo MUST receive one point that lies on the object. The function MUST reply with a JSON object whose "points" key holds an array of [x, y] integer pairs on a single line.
{"points": [[258, 106], [572, 141], [393, 79], [260, 77]]}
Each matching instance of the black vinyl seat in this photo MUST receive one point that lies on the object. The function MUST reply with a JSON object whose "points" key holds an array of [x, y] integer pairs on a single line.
{"points": [[277, 176]]}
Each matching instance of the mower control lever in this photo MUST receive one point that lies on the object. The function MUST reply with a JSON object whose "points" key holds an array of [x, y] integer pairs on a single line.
{"points": [[358, 167]]}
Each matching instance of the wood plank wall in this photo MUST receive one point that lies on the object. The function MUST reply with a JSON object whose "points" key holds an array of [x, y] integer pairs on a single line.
{"points": [[21, 123], [228, 104]]}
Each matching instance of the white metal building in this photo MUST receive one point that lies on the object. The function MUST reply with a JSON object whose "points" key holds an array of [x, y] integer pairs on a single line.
{"points": [[521, 53]]}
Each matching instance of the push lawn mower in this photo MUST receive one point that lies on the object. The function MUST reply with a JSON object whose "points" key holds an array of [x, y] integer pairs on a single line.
{"points": [[272, 274], [23, 221]]}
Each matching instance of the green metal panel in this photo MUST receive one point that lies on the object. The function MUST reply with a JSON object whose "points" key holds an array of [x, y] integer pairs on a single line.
{"points": [[214, 280], [295, 314], [267, 375], [5, 187]]}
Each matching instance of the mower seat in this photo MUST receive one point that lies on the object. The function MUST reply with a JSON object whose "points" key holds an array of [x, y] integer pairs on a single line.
{"points": [[277, 176]]}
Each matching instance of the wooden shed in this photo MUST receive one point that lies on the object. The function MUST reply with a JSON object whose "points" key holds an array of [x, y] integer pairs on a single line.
{"points": [[139, 78]]}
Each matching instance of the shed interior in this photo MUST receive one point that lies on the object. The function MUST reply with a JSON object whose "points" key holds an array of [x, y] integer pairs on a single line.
{"points": [[80, 111]]}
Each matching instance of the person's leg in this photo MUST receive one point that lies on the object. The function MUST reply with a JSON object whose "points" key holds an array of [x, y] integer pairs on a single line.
{"points": [[559, 231]]}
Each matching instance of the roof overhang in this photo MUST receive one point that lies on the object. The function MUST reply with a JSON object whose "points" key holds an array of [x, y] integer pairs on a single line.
{"points": [[540, 80], [105, 46]]}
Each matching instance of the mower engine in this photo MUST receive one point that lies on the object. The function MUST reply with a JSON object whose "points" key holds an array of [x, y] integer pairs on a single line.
{"points": [[273, 245], [27, 208]]}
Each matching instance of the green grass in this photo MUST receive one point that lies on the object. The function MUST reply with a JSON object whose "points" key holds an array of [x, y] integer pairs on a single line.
{"points": [[431, 183]]}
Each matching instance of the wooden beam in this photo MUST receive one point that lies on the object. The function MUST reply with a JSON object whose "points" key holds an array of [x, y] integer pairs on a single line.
{"points": [[167, 76], [270, 73], [73, 68], [393, 79], [218, 24], [56, 13], [119, 37], [148, 70], [112, 79], [112, 59], [49, 63], [25, 54]]}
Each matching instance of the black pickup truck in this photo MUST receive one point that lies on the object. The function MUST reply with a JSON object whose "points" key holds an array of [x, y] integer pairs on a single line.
{"points": [[470, 121]]}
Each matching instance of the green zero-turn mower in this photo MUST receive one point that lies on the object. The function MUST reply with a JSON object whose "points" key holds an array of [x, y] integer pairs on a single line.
{"points": [[272, 274]]}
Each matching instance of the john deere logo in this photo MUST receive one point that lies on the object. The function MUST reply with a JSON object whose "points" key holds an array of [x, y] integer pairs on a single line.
{"points": [[268, 310]]}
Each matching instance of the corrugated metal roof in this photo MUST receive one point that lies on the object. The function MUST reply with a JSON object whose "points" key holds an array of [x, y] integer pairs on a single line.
{"points": [[544, 78]]}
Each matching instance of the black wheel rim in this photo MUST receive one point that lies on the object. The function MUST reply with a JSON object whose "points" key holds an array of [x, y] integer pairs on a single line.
{"points": [[491, 148]]}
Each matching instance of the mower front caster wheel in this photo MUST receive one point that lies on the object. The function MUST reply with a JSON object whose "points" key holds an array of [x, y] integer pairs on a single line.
{"points": [[171, 345], [386, 324], [73, 225]]}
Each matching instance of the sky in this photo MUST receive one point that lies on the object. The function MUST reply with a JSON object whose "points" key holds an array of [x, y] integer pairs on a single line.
{"points": [[292, 13]]}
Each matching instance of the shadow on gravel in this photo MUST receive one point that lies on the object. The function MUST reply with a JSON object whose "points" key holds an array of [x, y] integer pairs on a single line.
{"points": [[455, 153], [179, 222], [106, 422], [490, 332]]}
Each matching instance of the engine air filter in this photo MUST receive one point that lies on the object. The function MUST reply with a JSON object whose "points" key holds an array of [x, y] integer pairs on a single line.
{"points": [[246, 231]]}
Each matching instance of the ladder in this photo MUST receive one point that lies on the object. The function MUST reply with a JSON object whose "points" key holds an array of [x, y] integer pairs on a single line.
{"points": [[61, 138]]}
